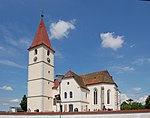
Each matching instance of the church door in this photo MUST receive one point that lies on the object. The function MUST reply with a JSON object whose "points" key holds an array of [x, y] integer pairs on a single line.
{"points": [[70, 107]]}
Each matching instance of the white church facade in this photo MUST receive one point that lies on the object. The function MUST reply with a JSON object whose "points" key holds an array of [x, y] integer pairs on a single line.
{"points": [[70, 92]]}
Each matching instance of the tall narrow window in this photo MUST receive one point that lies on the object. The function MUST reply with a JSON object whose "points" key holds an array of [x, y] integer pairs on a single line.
{"points": [[102, 94], [108, 96], [54, 101], [35, 51], [65, 95], [70, 94], [95, 96], [86, 95], [70, 107], [48, 52], [102, 98]]}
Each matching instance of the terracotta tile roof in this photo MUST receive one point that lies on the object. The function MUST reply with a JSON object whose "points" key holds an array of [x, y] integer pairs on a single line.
{"points": [[56, 84], [41, 37], [89, 79], [97, 77], [69, 74], [77, 78]]}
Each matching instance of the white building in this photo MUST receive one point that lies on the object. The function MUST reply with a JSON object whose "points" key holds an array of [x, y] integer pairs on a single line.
{"points": [[88, 92]]}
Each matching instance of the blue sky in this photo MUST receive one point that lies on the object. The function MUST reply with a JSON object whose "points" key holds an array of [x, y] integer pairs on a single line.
{"points": [[87, 36]]}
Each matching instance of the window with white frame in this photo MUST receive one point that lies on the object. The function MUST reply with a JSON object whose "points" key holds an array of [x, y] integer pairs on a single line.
{"points": [[95, 96], [71, 94], [35, 52], [108, 96], [65, 94]]}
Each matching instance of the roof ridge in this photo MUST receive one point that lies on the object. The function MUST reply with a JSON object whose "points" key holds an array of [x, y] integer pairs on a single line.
{"points": [[95, 72], [97, 77]]}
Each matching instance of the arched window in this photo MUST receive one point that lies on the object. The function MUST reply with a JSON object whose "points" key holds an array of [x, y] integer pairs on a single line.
{"points": [[65, 95], [48, 52], [95, 96], [71, 94], [35, 51], [108, 96]]}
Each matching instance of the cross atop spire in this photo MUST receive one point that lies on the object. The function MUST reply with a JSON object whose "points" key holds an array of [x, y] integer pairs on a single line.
{"points": [[42, 15], [41, 36]]}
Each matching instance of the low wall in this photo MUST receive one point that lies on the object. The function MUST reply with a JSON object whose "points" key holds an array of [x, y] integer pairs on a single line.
{"points": [[100, 114]]}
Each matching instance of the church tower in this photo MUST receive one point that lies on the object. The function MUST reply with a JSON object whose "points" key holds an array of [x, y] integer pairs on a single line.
{"points": [[40, 71]]}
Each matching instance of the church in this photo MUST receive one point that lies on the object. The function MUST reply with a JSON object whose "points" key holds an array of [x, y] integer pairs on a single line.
{"points": [[70, 92]]}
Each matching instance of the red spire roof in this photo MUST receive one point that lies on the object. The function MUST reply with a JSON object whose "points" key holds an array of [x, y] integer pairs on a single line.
{"points": [[41, 37]]}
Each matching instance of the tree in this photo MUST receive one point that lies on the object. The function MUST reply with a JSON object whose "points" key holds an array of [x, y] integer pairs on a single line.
{"points": [[137, 105], [125, 106], [147, 102], [131, 106], [23, 103]]}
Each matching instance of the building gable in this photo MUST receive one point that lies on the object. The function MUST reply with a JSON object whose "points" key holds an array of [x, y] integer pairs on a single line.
{"points": [[77, 78]]}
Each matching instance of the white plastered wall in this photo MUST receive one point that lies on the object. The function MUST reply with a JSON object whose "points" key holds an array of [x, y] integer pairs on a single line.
{"points": [[40, 79], [98, 106], [79, 97]]}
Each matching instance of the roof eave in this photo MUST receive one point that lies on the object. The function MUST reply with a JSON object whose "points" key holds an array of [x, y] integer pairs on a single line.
{"points": [[85, 88], [101, 83], [31, 47]]}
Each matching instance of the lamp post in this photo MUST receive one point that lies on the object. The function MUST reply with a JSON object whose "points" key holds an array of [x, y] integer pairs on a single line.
{"points": [[58, 96]]}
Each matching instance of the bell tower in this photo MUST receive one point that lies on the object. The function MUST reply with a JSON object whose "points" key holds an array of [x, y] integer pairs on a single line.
{"points": [[40, 71]]}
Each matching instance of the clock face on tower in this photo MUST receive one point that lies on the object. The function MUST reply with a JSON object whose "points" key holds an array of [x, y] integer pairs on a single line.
{"points": [[35, 59], [48, 60]]}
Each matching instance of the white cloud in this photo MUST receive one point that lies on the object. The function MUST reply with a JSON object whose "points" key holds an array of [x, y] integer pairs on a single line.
{"points": [[109, 40], [14, 101], [142, 99], [60, 29], [119, 56], [124, 97], [133, 45], [25, 41], [11, 63], [137, 89], [11, 41], [8, 32], [5, 104], [8, 35], [122, 69], [127, 68], [142, 61], [6, 88]]}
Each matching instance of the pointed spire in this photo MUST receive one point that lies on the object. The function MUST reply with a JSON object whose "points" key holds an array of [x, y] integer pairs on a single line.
{"points": [[41, 36]]}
